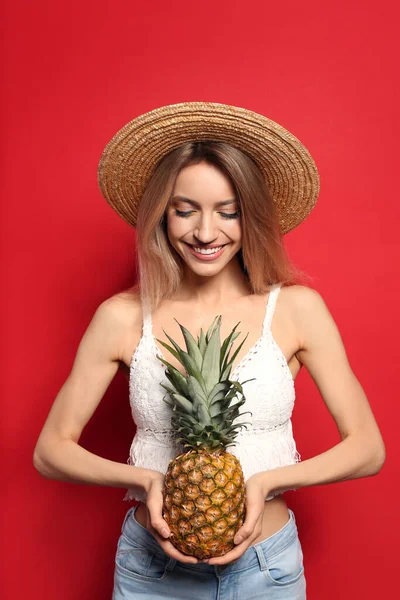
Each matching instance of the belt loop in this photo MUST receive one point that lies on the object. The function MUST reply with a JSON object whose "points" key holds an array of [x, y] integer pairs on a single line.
{"points": [[260, 556], [128, 514], [171, 564]]}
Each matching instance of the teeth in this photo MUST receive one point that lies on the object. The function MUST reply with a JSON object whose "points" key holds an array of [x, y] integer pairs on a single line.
{"points": [[207, 251]]}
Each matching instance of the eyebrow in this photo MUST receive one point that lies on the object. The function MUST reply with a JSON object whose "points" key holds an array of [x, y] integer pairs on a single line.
{"points": [[194, 203]]}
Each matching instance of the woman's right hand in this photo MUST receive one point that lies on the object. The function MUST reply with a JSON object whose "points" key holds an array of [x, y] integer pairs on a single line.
{"points": [[156, 524]]}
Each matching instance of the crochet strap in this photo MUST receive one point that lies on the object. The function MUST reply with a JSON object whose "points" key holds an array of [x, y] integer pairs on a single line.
{"points": [[147, 327], [273, 295]]}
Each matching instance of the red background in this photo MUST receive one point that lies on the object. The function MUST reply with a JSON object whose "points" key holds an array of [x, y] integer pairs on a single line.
{"points": [[74, 73]]}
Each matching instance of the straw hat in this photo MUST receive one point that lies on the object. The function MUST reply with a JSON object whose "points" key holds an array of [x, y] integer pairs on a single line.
{"points": [[129, 159]]}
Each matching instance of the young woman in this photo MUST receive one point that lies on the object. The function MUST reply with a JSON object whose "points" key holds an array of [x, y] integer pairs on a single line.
{"points": [[211, 189]]}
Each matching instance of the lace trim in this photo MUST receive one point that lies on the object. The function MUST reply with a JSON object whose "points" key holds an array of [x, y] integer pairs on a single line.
{"points": [[282, 360], [248, 356]]}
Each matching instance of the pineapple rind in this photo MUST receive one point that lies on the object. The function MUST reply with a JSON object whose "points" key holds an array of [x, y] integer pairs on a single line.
{"points": [[204, 511]]}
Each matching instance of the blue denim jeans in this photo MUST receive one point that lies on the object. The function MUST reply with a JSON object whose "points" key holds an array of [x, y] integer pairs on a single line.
{"points": [[272, 569]]}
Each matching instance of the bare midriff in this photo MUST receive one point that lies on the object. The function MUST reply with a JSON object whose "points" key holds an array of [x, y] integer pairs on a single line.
{"points": [[275, 516]]}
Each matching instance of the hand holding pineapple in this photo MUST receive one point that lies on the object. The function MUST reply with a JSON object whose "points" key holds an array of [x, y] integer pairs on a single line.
{"points": [[250, 530], [155, 523], [204, 492]]}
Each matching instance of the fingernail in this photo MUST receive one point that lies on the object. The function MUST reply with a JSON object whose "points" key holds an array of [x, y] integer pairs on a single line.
{"points": [[165, 532], [238, 539]]}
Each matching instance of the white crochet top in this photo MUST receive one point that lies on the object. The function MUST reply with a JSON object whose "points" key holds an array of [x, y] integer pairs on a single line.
{"points": [[265, 444]]}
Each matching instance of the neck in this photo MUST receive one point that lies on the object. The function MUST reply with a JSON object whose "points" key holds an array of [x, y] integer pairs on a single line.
{"points": [[229, 284]]}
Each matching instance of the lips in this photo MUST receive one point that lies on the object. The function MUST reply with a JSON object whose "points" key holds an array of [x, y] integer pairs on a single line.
{"points": [[205, 247], [206, 257]]}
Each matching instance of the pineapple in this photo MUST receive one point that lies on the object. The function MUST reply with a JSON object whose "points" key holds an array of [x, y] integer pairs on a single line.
{"points": [[204, 490]]}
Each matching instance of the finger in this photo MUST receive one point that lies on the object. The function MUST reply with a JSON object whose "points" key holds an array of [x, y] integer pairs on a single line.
{"points": [[156, 519], [250, 524]]}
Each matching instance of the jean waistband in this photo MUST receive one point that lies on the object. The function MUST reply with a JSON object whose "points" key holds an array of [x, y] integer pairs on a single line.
{"points": [[267, 548]]}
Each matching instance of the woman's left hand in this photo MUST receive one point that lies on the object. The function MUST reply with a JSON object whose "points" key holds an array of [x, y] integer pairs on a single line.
{"points": [[251, 529]]}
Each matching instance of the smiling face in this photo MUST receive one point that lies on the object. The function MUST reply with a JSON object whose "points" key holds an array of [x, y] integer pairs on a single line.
{"points": [[202, 216]]}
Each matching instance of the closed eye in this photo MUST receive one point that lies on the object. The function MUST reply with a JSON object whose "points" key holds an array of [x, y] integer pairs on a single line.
{"points": [[187, 213]]}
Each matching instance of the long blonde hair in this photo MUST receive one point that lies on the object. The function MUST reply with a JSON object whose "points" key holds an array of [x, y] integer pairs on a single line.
{"points": [[263, 257]]}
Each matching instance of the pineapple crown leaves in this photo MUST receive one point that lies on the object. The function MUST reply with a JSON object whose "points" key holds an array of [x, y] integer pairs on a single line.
{"points": [[202, 400]]}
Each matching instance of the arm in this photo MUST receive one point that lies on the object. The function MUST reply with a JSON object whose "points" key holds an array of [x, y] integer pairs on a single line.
{"points": [[57, 454], [361, 452]]}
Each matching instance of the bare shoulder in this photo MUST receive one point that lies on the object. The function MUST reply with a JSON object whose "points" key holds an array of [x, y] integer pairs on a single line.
{"points": [[122, 311], [121, 306], [301, 300], [313, 320], [121, 314], [305, 308], [300, 295]]}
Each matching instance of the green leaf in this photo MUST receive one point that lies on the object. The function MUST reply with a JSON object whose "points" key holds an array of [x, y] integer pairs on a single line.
{"points": [[173, 342], [218, 391], [169, 402], [187, 420], [187, 361], [224, 358], [210, 368], [233, 428], [168, 364], [215, 410], [231, 359], [192, 368], [232, 415], [170, 390], [202, 414], [225, 374], [177, 379], [224, 406], [184, 403], [237, 385], [210, 329], [232, 394], [191, 346], [202, 342], [228, 342], [169, 348], [246, 380], [215, 444], [238, 402], [196, 391], [218, 399]]}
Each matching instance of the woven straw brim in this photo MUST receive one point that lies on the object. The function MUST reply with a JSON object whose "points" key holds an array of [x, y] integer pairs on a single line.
{"points": [[129, 159]]}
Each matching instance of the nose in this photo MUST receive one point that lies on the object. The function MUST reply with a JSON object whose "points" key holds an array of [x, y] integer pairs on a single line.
{"points": [[205, 230]]}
